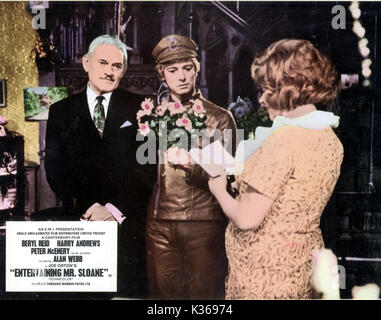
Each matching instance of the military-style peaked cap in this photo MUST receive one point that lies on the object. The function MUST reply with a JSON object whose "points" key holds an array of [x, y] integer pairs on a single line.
{"points": [[173, 47]]}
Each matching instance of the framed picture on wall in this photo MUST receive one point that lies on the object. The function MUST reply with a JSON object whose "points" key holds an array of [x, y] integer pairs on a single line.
{"points": [[37, 101], [3, 93]]}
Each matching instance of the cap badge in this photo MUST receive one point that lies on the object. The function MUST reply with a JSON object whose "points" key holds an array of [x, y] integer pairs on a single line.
{"points": [[173, 45]]}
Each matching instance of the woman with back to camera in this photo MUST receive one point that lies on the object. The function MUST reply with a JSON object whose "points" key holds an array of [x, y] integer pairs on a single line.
{"points": [[287, 182]]}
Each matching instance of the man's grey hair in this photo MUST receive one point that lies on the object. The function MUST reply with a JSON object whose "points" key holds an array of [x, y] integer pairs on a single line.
{"points": [[107, 39]]}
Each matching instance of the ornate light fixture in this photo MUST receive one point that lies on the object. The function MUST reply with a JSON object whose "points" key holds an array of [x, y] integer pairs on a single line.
{"points": [[360, 32]]}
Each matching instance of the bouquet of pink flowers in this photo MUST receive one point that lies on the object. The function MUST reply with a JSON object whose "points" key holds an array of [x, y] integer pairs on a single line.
{"points": [[172, 122]]}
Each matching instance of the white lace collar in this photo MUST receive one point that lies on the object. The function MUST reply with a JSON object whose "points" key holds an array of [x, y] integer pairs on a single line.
{"points": [[316, 120]]}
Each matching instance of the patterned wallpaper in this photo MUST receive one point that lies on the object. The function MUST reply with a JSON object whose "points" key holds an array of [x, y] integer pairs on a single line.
{"points": [[16, 41]]}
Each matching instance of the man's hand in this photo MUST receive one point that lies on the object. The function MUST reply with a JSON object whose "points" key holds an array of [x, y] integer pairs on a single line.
{"points": [[98, 213], [179, 158]]}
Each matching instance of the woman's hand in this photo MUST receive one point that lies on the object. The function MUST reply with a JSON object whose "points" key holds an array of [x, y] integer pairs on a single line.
{"points": [[178, 158], [217, 185]]}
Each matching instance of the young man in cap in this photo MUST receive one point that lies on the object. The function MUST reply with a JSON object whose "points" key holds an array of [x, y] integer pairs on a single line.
{"points": [[185, 225]]}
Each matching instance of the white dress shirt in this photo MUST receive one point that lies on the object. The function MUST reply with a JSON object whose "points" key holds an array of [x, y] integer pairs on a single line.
{"points": [[92, 100]]}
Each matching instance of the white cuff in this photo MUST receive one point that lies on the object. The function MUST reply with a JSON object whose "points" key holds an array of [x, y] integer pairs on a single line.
{"points": [[115, 212]]}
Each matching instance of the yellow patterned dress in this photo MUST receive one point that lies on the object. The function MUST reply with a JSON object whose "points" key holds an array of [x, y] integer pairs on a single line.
{"points": [[297, 168]]}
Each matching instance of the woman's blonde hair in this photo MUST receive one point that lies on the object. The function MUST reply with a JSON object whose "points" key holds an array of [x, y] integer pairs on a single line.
{"points": [[292, 73], [161, 66]]}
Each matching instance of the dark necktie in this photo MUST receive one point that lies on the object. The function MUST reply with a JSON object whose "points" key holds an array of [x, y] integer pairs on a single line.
{"points": [[99, 115]]}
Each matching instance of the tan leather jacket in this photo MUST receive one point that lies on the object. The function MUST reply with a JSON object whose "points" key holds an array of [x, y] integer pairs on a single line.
{"points": [[181, 195]]}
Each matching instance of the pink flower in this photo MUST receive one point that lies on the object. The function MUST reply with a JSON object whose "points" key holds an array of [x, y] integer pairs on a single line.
{"points": [[160, 110], [144, 128], [175, 108], [184, 122], [140, 114], [198, 107], [3, 120], [147, 106]]}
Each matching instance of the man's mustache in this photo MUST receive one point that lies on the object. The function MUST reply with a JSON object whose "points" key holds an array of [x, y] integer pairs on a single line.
{"points": [[111, 78]]}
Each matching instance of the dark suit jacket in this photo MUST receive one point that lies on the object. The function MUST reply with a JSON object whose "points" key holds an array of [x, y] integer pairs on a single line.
{"points": [[82, 168]]}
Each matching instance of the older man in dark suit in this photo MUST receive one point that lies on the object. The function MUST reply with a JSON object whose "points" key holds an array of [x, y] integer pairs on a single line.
{"points": [[91, 158]]}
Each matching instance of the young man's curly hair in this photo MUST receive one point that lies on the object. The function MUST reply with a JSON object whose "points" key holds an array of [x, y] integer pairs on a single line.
{"points": [[292, 73]]}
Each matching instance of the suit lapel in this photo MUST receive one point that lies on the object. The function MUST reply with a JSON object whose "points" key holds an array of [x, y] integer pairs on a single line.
{"points": [[112, 115], [118, 113], [83, 116]]}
